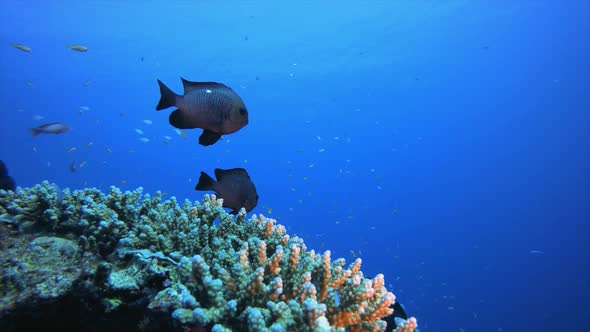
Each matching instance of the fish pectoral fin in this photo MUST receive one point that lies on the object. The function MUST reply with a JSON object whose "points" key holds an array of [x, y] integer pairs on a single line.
{"points": [[208, 137], [177, 121]]}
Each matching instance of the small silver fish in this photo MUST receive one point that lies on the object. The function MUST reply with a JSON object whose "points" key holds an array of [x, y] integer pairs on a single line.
{"points": [[211, 106], [50, 128]]}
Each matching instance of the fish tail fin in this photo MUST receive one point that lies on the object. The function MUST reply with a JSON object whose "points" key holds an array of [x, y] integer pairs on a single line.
{"points": [[205, 182], [167, 97], [35, 131]]}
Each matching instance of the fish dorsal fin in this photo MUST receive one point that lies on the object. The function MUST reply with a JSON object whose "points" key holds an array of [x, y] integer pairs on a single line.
{"points": [[221, 173], [205, 182], [189, 86]]}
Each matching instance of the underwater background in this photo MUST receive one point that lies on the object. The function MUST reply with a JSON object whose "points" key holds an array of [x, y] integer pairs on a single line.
{"points": [[443, 142]]}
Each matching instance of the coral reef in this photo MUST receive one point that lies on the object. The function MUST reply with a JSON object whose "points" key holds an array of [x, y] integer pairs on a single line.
{"points": [[128, 261]]}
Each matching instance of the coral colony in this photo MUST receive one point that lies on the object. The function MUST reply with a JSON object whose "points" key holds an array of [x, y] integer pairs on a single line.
{"points": [[190, 266]]}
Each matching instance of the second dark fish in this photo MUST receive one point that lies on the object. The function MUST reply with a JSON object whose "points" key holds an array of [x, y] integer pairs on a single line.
{"points": [[234, 186], [211, 106], [6, 182], [3, 169]]}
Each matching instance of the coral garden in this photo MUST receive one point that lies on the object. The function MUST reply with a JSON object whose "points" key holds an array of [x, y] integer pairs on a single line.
{"points": [[128, 261]]}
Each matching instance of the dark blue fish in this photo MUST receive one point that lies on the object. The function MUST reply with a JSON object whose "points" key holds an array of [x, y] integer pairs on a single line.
{"points": [[6, 182], [3, 169], [397, 318], [234, 186], [211, 106]]}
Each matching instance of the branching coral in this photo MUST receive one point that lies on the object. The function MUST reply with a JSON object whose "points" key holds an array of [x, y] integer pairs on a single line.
{"points": [[213, 269]]}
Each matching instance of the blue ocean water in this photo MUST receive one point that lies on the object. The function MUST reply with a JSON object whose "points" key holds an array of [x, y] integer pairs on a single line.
{"points": [[443, 142]]}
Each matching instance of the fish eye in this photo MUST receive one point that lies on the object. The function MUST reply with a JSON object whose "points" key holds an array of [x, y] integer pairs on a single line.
{"points": [[243, 111]]}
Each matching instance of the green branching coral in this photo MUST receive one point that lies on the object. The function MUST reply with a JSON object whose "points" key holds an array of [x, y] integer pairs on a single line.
{"points": [[193, 263], [142, 221]]}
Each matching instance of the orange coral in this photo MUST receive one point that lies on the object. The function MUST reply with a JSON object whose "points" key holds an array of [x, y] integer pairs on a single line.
{"points": [[410, 325], [298, 288], [285, 239], [276, 289], [327, 275], [262, 253], [273, 265], [294, 256], [382, 308], [268, 229], [345, 318], [244, 256], [331, 292], [356, 267], [336, 283], [256, 281], [373, 300]]}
